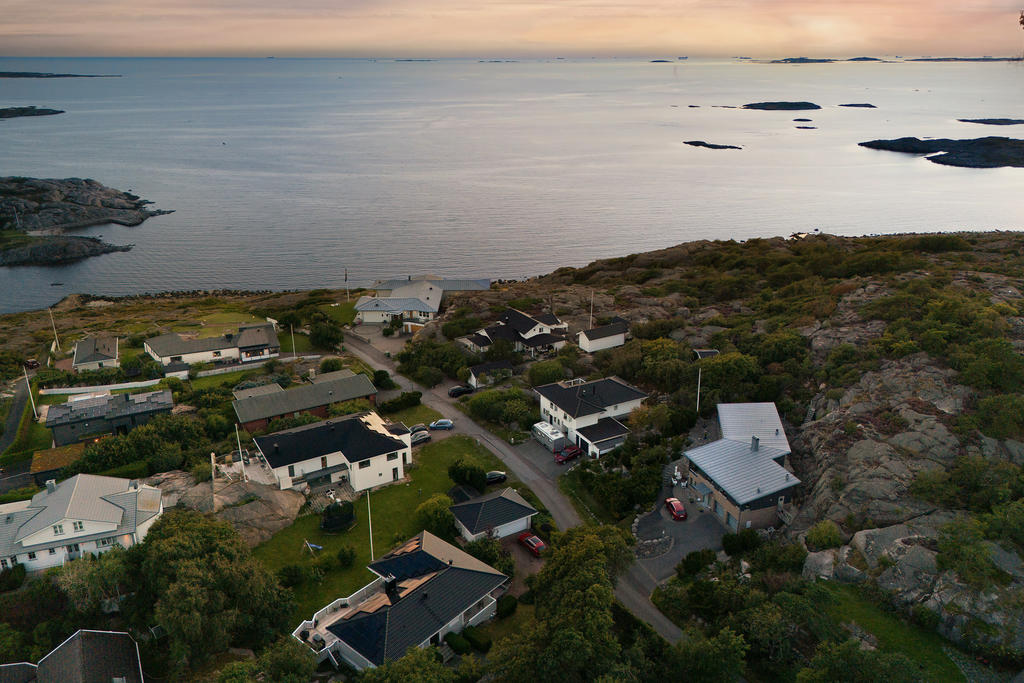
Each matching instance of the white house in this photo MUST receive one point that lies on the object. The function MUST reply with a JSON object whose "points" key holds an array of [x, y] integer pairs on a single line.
{"points": [[529, 333], [604, 337], [252, 343], [587, 412], [415, 300], [488, 373], [496, 515], [84, 514], [361, 450], [425, 589], [95, 353]]}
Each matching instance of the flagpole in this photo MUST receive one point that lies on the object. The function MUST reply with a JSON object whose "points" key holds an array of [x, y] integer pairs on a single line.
{"points": [[54, 326], [369, 519], [292, 328], [241, 460], [28, 385]]}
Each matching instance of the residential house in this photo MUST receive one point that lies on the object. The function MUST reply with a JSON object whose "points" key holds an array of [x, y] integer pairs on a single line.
{"points": [[85, 657], [360, 450], [526, 333], [495, 515], [258, 407], [415, 301], [95, 353], [425, 589], [252, 343], [47, 464], [589, 413], [744, 477], [87, 513], [85, 418], [605, 336], [487, 373]]}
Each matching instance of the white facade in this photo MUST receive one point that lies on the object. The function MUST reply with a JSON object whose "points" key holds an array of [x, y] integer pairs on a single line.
{"points": [[593, 345], [568, 425], [226, 353], [513, 527]]}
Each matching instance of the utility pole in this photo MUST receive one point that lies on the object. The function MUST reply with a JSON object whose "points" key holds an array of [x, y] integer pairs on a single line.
{"points": [[346, 284], [369, 519], [241, 459], [54, 326], [28, 385], [698, 392], [591, 309], [213, 483], [292, 327]]}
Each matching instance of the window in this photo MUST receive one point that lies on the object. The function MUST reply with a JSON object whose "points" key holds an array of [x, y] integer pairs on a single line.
{"points": [[291, 470], [323, 462], [31, 556], [216, 354], [77, 526], [53, 551], [3, 563], [363, 464], [175, 359], [104, 542], [58, 529], [73, 548], [392, 456]]}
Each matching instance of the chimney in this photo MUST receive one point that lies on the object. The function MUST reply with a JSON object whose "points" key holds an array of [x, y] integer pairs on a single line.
{"points": [[51, 485], [391, 588], [754, 443], [776, 431]]}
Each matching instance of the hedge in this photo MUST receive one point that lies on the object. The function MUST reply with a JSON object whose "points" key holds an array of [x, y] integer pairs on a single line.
{"points": [[458, 643], [11, 579], [507, 606], [133, 470], [477, 638], [408, 399]]}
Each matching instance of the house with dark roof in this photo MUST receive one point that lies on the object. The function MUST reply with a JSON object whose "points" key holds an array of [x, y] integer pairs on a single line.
{"points": [[48, 463], [85, 657], [95, 353], [744, 477], [425, 589], [607, 336], [590, 413], [360, 450], [488, 373], [251, 343], [80, 419], [87, 513], [531, 334], [495, 515], [256, 408]]}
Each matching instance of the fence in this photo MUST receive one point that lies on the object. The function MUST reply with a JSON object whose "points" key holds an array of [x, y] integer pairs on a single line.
{"points": [[63, 391]]}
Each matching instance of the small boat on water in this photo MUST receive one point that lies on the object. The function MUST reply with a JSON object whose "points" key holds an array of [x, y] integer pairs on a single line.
{"points": [[56, 284]]}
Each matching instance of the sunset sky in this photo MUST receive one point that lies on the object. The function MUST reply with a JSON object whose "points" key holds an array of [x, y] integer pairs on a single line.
{"points": [[509, 27]]}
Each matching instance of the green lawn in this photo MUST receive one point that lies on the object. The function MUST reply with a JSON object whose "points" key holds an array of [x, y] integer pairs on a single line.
{"points": [[521, 620], [216, 324], [302, 343], [32, 437], [229, 378], [392, 509], [415, 415], [344, 313], [893, 634]]}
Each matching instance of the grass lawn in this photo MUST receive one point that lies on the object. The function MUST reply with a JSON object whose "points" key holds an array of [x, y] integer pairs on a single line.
{"points": [[32, 437], [344, 313], [894, 635], [302, 343], [216, 324], [415, 415], [520, 621], [229, 378], [392, 508]]}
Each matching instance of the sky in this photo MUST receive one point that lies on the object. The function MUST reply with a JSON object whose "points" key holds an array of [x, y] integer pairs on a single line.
{"points": [[512, 28]]}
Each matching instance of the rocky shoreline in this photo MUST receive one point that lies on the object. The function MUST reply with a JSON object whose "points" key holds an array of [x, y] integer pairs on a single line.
{"points": [[16, 112], [51, 207], [781, 106], [990, 152]]}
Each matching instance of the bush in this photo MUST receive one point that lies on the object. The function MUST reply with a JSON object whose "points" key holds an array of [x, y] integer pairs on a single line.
{"points": [[292, 575], [16, 495], [507, 605], [489, 551], [382, 380], [546, 372], [133, 470], [346, 556], [744, 541], [12, 578], [338, 517], [694, 562], [202, 471], [480, 641], [779, 556], [468, 474], [408, 399], [528, 598], [331, 365], [388, 331], [458, 643], [326, 334], [428, 376], [824, 534]]}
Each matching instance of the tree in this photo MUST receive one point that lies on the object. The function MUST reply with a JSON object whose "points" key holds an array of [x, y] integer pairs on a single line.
{"points": [[713, 660], [847, 662], [468, 474], [338, 517], [326, 335], [546, 372], [489, 551], [419, 665], [428, 376], [331, 365], [91, 580], [287, 661], [12, 644], [434, 515]]}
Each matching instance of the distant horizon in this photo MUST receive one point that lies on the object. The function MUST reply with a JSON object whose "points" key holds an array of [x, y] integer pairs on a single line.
{"points": [[753, 57]]}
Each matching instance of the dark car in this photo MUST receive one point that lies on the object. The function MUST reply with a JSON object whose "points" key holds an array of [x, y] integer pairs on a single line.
{"points": [[460, 390], [532, 543], [31, 364], [568, 453], [420, 437], [443, 423], [418, 428], [675, 508], [496, 477]]}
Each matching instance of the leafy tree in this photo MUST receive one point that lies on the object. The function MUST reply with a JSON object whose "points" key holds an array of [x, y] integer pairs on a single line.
{"points": [[501, 349], [714, 660], [489, 551], [287, 661], [468, 474], [434, 515], [382, 380], [422, 665], [326, 334], [92, 579], [694, 562], [331, 365], [346, 556], [824, 534], [428, 376], [546, 372], [847, 662], [12, 644], [962, 549]]}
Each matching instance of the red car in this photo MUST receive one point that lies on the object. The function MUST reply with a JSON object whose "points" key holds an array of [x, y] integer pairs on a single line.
{"points": [[568, 453], [532, 543], [675, 508]]}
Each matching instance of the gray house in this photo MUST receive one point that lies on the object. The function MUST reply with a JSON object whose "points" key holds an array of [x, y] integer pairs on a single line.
{"points": [[118, 413], [95, 353]]}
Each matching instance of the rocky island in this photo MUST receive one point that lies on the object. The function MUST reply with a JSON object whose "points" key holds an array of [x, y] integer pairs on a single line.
{"points": [[990, 152], [15, 112], [994, 122], [35, 213], [781, 106], [709, 145], [862, 105], [40, 74]]}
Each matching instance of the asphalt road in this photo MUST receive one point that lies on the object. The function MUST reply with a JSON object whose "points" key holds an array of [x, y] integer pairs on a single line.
{"points": [[14, 476], [633, 588]]}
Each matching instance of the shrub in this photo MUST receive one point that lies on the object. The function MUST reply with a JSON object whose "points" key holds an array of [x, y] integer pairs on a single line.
{"points": [[694, 562], [292, 575], [338, 517], [824, 534], [428, 376], [388, 331], [346, 556], [382, 380], [489, 551], [779, 556], [458, 643], [202, 471], [480, 641], [527, 598], [331, 365], [742, 542], [407, 399], [12, 578], [546, 372], [468, 474], [359, 405], [133, 470], [16, 495], [507, 605]]}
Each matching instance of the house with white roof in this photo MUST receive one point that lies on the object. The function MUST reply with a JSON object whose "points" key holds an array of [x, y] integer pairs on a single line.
{"points": [[743, 477], [256, 342], [589, 413], [87, 513], [415, 301]]}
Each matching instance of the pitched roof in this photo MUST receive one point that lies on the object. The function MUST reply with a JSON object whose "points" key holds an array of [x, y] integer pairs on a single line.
{"points": [[492, 510], [109, 407], [740, 421], [518, 321], [95, 349], [92, 657], [447, 285], [588, 398], [477, 339], [435, 582], [350, 434], [484, 368], [331, 376], [542, 339], [743, 473], [261, 390], [250, 336], [606, 428], [56, 458], [303, 398], [547, 319], [613, 328], [22, 672], [394, 304]]}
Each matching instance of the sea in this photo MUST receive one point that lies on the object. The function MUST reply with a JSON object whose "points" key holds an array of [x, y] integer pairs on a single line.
{"points": [[290, 173]]}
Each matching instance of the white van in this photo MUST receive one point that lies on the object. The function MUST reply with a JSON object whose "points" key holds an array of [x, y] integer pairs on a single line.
{"points": [[549, 435]]}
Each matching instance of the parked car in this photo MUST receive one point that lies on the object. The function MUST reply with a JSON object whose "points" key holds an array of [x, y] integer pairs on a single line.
{"points": [[532, 543], [460, 390], [568, 453], [418, 428], [443, 423], [675, 508], [420, 437], [31, 364], [496, 477]]}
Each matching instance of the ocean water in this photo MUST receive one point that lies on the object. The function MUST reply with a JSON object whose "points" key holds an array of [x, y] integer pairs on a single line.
{"points": [[284, 173]]}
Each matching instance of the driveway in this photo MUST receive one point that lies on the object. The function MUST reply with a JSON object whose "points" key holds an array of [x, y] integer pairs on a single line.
{"points": [[526, 564], [700, 530]]}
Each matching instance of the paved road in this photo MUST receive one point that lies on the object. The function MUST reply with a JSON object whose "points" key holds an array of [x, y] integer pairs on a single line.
{"points": [[14, 476], [633, 588]]}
